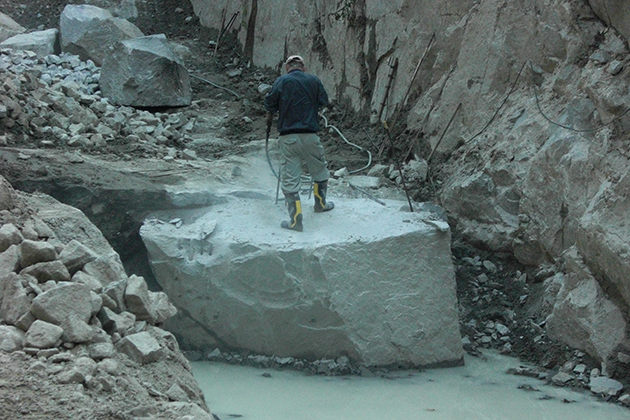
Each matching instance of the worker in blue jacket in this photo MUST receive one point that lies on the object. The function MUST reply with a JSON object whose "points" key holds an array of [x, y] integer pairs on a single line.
{"points": [[297, 97]]}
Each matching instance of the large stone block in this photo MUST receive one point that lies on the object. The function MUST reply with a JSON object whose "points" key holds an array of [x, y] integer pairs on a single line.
{"points": [[367, 281], [144, 72], [88, 31]]}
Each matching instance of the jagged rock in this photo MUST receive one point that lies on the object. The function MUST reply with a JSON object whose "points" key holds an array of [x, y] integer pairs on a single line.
{"points": [[322, 292], [9, 27], [11, 338], [62, 303], [138, 300], [583, 316], [602, 237], [76, 331], [42, 335], [33, 252], [604, 385], [44, 271], [163, 307], [15, 303], [9, 261], [90, 282], [106, 269], [100, 351], [116, 292], [9, 235], [42, 43], [113, 322], [140, 347], [88, 31], [144, 72], [75, 255], [97, 302]]}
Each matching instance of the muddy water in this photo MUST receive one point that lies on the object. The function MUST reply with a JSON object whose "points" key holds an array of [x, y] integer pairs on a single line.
{"points": [[480, 390]]}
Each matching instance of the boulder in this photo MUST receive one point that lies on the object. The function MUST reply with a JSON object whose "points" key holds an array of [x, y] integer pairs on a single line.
{"points": [[9, 235], [75, 255], [100, 351], [113, 322], [144, 72], [9, 27], [42, 43], [76, 331], [606, 386], [88, 31], [162, 305], [42, 335], [583, 316], [376, 284], [9, 261], [11, 338], [15, 303], [62, 303], [33, 252], [138, 300], [44, 271], [141, 347]]}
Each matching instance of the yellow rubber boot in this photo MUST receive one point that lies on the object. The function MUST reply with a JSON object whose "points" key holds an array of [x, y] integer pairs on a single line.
{"points": [[295, 212]]}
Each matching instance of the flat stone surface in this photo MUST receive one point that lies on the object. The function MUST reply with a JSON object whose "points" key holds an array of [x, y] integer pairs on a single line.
{"points": [[364, 280]]}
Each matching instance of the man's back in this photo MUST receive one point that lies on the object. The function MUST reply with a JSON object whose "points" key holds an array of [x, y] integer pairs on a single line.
{"points": [[297, 96]]}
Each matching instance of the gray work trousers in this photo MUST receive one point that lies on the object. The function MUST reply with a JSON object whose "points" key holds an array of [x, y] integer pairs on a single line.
{"points": [[296, 149]]}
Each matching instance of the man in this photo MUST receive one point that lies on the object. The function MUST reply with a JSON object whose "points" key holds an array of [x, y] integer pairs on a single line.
{"points": [[297, 97]]}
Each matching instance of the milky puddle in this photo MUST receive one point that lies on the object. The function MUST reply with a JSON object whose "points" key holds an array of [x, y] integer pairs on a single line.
{"points": [[480, 390]]}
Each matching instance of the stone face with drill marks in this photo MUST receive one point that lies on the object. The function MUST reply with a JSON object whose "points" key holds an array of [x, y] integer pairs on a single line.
{"points": [[366, 281]]}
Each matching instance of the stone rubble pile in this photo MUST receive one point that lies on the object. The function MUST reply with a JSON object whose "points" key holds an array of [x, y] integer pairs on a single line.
{"points": [[500, 321], [59, 306], [57, 101]]}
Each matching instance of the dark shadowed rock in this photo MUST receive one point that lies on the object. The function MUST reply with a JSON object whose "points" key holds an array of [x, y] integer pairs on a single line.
{"points": [[88, 31], [144, 72]]}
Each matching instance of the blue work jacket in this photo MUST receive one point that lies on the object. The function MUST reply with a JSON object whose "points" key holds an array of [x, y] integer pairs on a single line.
{"points": [[297, 97]]}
